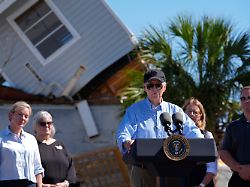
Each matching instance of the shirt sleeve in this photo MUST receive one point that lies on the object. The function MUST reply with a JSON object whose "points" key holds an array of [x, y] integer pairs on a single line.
{"points": [[37, 161], [71, 173], [126, 130], [212, 167], [227, 140], [209, 135]]}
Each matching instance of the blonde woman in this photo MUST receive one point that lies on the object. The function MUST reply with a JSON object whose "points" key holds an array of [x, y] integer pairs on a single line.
{"points": [[202, 175], [20, 164]]}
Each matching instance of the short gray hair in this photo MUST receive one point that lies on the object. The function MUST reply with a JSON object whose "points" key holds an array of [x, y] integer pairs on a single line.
{"points": [[39, 116]]}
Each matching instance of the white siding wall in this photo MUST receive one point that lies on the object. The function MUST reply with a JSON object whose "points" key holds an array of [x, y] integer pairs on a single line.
{"points": [[103, 41]]}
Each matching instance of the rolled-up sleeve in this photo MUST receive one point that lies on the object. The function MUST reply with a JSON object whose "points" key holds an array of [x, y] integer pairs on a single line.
{"points": [[212, 167], [38, 169], [125, 130]]}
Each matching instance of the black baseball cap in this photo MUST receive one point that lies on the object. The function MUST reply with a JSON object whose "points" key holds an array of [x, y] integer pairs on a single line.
{"points": [[154, 74]]}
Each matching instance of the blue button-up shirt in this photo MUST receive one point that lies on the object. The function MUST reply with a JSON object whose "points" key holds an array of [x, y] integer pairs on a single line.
{"points": [[142, 120], [19, 156]]}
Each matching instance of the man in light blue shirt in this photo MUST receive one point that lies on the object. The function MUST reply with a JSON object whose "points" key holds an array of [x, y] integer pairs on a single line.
{"points": [[142, 121]]}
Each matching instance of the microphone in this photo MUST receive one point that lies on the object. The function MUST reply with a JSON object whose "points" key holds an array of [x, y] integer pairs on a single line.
{"points": [[166, 121], [178, 121]]}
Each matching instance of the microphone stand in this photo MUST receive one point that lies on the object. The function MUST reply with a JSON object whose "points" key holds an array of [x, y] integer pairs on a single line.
{"points": [[170, 181]]}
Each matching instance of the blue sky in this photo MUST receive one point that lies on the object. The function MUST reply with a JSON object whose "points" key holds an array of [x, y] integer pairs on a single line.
{"points": [[139, 14]]}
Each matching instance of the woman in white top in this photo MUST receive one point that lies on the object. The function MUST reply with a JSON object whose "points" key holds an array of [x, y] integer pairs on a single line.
{"points": [[20, 163], [202, 175]]}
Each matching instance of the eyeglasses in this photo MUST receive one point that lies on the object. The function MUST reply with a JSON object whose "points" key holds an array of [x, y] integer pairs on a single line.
{"points": [[157, 86], [44, 124], [245, 98], [192, 112]]}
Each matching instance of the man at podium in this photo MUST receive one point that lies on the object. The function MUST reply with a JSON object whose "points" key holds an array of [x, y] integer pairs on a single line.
{"points": [[142, 120]]}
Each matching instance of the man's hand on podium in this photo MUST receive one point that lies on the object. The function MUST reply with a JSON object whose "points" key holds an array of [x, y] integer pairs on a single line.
{"points": [[127, 144]]}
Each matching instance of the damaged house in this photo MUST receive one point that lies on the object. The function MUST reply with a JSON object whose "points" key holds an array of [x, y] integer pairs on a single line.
{"points": [[67, 57]]}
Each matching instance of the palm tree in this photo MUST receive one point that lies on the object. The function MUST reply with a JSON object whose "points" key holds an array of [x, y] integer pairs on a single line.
{"points": [[204, 59]]}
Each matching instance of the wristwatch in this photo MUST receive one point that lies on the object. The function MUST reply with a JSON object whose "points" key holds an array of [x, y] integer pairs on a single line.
{"points": [[202, 185]]}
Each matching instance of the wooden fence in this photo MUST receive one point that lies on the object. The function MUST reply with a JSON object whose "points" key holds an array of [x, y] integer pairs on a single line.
{"points": [[102, 168]]}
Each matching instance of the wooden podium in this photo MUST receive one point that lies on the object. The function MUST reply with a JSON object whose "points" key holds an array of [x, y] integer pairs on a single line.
{"points": [[150, 153]]}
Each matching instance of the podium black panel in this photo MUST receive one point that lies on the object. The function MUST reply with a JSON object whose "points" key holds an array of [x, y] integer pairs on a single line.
{"points": [[149, 152]]}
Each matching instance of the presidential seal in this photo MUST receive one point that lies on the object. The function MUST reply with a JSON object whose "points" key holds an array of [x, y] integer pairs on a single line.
{"points": [[176, 147]]}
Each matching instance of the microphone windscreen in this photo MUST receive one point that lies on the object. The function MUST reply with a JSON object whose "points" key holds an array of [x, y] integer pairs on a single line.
{"points": [[177, 118], [165, 119]]}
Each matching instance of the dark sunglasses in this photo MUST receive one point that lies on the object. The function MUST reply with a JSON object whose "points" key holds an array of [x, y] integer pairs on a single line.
{"points": [[245, 98], [44, 124], [157, 86]]}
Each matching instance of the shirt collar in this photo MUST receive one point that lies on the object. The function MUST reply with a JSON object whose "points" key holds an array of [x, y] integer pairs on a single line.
{"points": [[243, 119], [152, 106], [7, 131]]}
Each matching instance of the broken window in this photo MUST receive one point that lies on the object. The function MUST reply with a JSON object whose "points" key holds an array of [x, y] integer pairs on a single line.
{"points": [[43, 28]]}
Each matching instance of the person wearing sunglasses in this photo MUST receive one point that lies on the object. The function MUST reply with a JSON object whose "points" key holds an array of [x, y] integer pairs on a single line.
{"points": [[235, 148], [142, 120], [20, 163], [57, 163], [202, 175]]}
